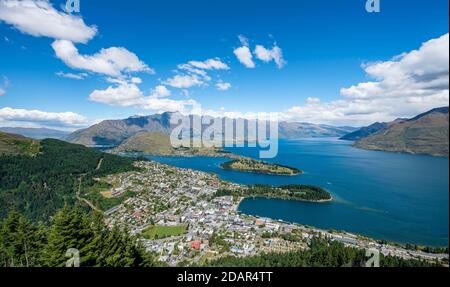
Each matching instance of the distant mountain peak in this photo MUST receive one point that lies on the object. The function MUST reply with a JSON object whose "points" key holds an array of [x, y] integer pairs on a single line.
{"points": [[427, 133]]}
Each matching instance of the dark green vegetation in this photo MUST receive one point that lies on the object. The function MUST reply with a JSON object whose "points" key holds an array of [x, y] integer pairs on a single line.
{"points": [[11, 144], [427, 133], [322, 253], [25, 244], [256, 166], [37, 186], [288, 192], [159, 232]]}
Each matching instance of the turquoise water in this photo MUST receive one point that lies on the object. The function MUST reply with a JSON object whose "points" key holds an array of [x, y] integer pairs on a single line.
{"points": [[396, 197]]}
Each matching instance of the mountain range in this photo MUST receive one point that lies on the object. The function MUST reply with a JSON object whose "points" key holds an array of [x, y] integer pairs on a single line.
{"points": [[427, 133], [35, 133], [115, 132]]}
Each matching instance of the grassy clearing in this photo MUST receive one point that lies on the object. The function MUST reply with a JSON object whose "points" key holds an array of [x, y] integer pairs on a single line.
{"points": [[100, 195], [159, 232]]}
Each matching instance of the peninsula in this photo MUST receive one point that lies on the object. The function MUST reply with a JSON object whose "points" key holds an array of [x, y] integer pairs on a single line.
{"points": [[257, 166], [287, 192]]}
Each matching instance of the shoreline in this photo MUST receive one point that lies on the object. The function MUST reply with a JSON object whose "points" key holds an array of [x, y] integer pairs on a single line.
{"points": [[307, 201], [260, 172], [290, 199], [396, 244]]}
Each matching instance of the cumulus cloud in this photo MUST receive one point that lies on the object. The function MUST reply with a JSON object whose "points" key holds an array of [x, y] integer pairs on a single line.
{"points": [[275, 54], [128, 94], [65, 119], [184, 81], [404, 86], [244, 55], [73, 76], [161, 92], [221, 86], [112, 61], [123, 94], [423, 72], [40, 19]]}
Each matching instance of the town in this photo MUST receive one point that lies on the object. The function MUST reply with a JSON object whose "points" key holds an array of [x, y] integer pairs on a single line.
{"points": [[178, 216]]}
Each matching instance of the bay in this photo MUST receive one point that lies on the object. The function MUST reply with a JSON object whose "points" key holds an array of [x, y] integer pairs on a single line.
{"points": [[391, 196]]}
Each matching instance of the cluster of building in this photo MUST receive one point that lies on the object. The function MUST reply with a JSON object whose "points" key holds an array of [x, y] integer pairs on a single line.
{"points": [[169, 196]]}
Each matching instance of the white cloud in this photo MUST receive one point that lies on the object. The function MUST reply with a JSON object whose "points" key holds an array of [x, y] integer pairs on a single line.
{"points": [[191, 70], [244, 56], [124, 95], [161, 92], [112, 61], [65, 119], [422, 72], [127, 94], [80, 76], [167, 105], [404, 86], [221, 86], [38, 18], [275, 54], [136, 80], [210, 64], [194, 73], [312, 101], [2, 92], [184, 81]]}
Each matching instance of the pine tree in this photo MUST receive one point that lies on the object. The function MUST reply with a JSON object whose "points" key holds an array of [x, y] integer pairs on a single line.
{"points": [[70, 230], [21, 242]]}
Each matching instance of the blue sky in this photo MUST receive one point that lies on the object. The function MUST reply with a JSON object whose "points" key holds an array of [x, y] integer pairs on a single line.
{"points": [[323, 43]]}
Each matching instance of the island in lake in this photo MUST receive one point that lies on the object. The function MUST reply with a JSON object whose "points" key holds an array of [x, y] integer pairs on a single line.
{"points": [[288, 192], [257, 166]]}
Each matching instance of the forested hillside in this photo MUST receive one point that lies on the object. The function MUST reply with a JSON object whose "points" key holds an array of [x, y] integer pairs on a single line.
{"points": [[12, 144], [26, 244], [37, 186]]}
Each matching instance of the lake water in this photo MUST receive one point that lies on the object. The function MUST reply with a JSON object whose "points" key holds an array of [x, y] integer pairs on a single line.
{"points": [[396, 197]]}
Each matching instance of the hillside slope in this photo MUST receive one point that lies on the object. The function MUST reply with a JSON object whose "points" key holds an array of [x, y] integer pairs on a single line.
{"points": [[114, 132], [38, 185], [307, 130], [427, 133], [364, 132], [11, 144], [149, 143]]}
